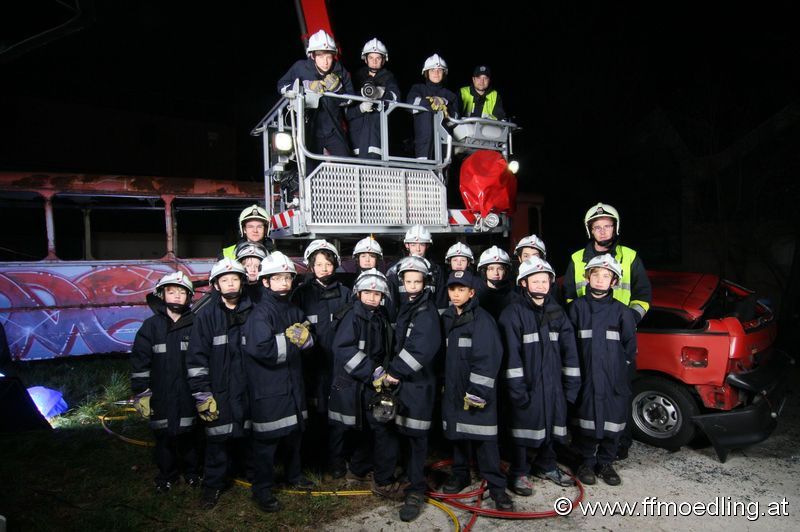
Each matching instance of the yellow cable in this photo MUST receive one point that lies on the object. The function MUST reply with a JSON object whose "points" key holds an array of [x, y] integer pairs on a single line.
{"points": [[448, 511], [103, 418]]}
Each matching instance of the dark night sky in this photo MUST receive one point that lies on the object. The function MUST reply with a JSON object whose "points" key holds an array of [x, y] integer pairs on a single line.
{"points": [[583, 79]]}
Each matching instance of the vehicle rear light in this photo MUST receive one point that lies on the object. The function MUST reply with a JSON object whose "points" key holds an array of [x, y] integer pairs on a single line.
{"points": [[694, 357]]}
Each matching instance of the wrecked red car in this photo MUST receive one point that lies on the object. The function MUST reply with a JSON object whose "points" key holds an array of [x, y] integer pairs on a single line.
{"points": [[706, 364]]}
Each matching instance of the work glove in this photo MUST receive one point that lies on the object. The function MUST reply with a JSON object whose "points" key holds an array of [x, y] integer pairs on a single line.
{"points": [[332, 82], [317, 85], [142, 403], [206, 406], [366, 107], [299, 334], [438, 104], [473, 401], [378, 376]]}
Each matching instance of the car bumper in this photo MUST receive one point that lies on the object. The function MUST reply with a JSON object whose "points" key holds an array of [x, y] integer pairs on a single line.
{"points": [[740, 427]]}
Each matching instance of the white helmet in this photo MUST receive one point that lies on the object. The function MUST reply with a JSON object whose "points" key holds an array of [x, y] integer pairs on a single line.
{"points": [[601, 210], [418, 235], [434, 61], [224, 266], [413, 264], [459, 250], [531, 241], [494, 255], [372, 279], [320, 42], [175, 278], [276, 262], [250, 249], [253, 212], [320, 245], [374, 46], [535, 265], [605, 261], [368, 245]]}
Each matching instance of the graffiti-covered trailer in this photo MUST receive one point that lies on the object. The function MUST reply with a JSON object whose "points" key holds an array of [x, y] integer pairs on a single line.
{"points": [[80, 252]]}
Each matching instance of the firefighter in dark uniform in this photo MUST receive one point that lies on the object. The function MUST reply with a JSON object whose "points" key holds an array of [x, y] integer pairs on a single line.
{"points": [[480, 100], [533, 246], [602, 224], [367, 253], [361, 343], [274, 335], [322, 73], [542, 375], [469, 404], [250, 255], [218, 376], [158, 378], [432, 95], [606, 332], [320, 297], [459, 257], [376, 82], [411, 373], [496, 292], [417, 241]]}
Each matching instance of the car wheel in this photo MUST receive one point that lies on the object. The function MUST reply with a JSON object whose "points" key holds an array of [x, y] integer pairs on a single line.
{"points": [[662, 413]]}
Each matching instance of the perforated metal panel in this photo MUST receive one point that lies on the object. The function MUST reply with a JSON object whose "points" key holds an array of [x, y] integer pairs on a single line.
{"points": [[348, 195]]}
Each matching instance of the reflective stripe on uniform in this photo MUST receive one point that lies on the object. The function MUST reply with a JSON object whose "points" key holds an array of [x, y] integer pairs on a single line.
{"points": [[484, 430], [156, 424], [221, 340], [528, 434], [187, 421], [412, 362], [362, 344], [219, 430], [196, 372], [585, 333], [355, 361], [465, 342], [553, 336], [482, 380], [411, 423], [304, 413], [639, 309], [160, 348], [270, 426], [140, 375], [571, 372], [341, 418], [313, 318], [607, 426], [612, 335], [559, 430], [514, 373], [530, 338], [280, 339], [184, 346]]}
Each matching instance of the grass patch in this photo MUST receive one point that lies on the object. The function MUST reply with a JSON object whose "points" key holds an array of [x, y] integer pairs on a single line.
{"points": [[77, 477]]}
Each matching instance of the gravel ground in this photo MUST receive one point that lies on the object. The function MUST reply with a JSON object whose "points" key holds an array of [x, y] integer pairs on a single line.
{"points": [[753, 481]]}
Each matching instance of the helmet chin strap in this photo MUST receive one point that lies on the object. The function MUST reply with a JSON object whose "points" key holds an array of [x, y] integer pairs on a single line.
{"points": [[599, 293], [537, 295], [180, 308], [606, 243], [232, 295]]}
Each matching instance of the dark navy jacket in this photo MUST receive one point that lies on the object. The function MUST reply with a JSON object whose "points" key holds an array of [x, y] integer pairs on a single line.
{"points": [[436, 287], [361, 343], [420, 91], [542, 372], [495, 300], [472, 363], [274, 368], [606, 332], [215, 364], [417, 341], [365, 127], [158, 362], [319, 303]]}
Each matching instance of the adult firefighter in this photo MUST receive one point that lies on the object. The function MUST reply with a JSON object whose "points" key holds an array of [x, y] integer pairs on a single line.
{"points": [[217, 375], [376, 82], [480, 100], [253, 228], [318, 74], [432, 95]]}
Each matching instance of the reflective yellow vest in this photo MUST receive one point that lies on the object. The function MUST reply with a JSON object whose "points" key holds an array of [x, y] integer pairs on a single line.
{"points": [[469, 103], [622, 292], [229, 252]]}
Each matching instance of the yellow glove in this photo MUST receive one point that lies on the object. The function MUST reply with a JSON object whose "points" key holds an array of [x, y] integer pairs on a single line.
{"points": [[142, 403], [473, 401], [207, 409], [378, 376], [298, 333], [316, 85], [332, 82]]}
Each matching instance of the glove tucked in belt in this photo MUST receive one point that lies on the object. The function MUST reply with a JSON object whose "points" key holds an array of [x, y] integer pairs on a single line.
{"points": [[473, 401]]}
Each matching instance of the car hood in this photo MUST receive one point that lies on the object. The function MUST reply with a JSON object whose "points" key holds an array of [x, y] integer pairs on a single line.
{"points": [[684, 291]]}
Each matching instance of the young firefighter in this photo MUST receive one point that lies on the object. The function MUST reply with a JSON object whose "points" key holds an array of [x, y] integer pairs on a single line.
{"points": [[469, 404], [218, 376], [417, 241], [606, 331], [250, 255], [542, 375], [496, 292], [533, 246], [459, 257], [319, 297], [417, 341], [361, 342], [367, 254], [158, 377], [274, 335]]}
